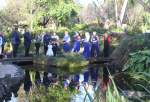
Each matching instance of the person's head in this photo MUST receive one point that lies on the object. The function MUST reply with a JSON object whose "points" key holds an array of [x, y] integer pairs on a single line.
{"points": [[66, 32], [106, 34], [15, 29], [94, 33], [26, 29]]}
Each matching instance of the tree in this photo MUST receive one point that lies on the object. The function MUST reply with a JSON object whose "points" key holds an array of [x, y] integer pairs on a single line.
{"points": [[59, 12]]}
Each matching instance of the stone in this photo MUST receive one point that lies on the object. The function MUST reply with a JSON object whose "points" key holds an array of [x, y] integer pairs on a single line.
{"points": [[11, 77]]}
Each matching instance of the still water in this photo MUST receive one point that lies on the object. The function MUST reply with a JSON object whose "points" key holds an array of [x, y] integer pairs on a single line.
{"points": [[86, 81]]}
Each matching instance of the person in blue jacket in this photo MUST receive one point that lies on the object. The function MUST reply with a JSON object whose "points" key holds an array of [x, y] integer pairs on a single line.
{"points": [[95, 45], [46, 40], [2, 42], [86, 45], [27, 41], [66, 41], [15, 41], [77, 39]]}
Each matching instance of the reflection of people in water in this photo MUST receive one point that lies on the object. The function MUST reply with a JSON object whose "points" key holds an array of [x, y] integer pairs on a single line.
{"points": [[37, 78], [94, 75], [86, 76], [27, 81], [46, 81], [105, 78]]}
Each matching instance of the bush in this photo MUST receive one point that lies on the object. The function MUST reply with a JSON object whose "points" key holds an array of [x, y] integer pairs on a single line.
{"points": [[78, 27], [62, 29], [116, 29]]}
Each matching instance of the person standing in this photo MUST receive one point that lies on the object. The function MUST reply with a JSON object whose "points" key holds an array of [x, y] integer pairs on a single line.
{"points": [[1, 43], [15, 41], [76, 46], [46, 40], [66, 41], [55, 43], [86, 45], [38, 40], [95, 45], [106, 41], [27, 42]]}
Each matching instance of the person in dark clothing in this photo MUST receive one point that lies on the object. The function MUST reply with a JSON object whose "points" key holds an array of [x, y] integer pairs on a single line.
{"points": [[55, 43], [2, 42], [95, 51], [46, 40], [15, 40], [27, 81], [38, 39], [106, 41], [27, 42]]}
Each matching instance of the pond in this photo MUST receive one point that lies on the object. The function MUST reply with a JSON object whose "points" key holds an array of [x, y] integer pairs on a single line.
{"points": [[84, 82]]}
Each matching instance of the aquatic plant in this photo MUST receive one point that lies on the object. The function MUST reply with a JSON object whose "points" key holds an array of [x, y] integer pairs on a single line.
{"points": [[52, 94], [137, 69]]}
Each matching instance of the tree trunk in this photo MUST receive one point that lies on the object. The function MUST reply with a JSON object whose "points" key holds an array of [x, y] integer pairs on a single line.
{"points": [[116, 12], [123, 11]]}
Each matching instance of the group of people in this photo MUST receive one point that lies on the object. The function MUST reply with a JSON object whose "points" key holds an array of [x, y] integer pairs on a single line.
{"points": [[52, 42], [91, 44]]}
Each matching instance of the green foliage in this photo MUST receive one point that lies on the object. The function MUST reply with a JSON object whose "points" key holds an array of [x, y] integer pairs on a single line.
{"points": [[54, 94], [112, 93], [138, 68], [62, 29], [138, 62], [69, 62], [78, 27], [118, 29], [63, 13], [60, 12]]}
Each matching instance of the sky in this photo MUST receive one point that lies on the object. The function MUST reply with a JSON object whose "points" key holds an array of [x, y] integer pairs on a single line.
{"points": [[86, 2], [82, 2], [2, 3]]}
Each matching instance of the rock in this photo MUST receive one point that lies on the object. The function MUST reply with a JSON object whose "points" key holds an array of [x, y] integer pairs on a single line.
{"points": [[11, 78]]}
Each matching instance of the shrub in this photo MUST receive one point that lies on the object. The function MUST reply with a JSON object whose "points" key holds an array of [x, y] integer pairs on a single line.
{"points": [[62, 29], [78, 27]]}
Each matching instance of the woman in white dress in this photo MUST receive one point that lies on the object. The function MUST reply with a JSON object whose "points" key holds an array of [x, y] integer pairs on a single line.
{"points": [[50, 51]]}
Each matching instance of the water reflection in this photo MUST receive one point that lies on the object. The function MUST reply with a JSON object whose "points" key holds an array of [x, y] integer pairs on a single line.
{"points": [[27, 82], [106, 79], [37, 78], [78, 81]]}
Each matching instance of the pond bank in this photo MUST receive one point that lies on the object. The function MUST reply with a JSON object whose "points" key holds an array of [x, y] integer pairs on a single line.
{"points": [[10, 80]]}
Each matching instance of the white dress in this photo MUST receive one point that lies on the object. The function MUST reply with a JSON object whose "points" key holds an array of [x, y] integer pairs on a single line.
{"points": [[49, 51]]}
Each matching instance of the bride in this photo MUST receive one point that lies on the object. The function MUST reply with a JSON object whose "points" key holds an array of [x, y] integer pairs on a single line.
{"points": [[49, 51]]}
